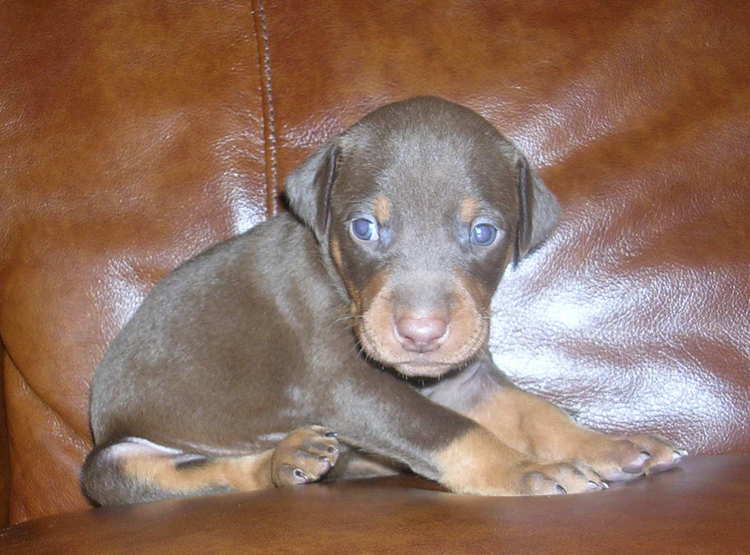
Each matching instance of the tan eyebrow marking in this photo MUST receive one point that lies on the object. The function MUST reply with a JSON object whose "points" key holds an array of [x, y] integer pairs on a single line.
{"points": [[469, 209], [382, 208]]}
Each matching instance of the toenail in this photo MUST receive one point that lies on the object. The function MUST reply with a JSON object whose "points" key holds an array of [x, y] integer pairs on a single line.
{"points": [[637, 469]]}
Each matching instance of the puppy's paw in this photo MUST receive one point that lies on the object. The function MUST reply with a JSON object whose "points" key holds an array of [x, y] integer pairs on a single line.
{"points": [[558, 479], [303, 456], [621, 459], [664, 456], [528, 477]]}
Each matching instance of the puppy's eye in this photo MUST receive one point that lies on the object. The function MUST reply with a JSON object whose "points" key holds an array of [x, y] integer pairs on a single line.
{"points": [[483, 234], [364, 229]]}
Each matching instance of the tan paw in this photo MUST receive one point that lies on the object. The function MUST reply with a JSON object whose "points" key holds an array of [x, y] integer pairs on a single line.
{"points": [[558, 479], [303, 456], [620, 459]]}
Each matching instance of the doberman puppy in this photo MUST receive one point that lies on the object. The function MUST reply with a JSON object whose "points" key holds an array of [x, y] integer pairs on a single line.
{"points": [[350, 337]]}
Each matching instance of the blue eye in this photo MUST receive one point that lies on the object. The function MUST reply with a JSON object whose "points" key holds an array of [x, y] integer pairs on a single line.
{"points": [[364, 229], [483, 234]]}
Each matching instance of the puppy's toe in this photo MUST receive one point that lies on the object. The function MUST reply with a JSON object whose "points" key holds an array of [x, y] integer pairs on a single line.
{"points": [[664, 456], [623, 459], [303, 456], [560, 479]]}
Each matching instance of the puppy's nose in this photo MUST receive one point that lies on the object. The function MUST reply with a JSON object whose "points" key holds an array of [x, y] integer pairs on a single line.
{"points": [[420, 335]]}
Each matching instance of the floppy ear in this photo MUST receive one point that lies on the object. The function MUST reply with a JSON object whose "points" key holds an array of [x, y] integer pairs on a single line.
{"points": [[308, 188], [539, 210]]}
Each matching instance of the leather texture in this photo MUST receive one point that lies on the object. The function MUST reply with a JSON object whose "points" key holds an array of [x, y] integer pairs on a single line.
{"points": [[132, 139], [136, 134], [701, 508]]}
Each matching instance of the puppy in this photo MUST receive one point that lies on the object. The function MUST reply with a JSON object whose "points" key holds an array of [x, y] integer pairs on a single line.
{"points": [[349, 337]]}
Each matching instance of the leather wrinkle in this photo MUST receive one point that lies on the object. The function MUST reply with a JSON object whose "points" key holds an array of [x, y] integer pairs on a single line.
{"points": [[26, 501], [39, 397], [33, 391]]}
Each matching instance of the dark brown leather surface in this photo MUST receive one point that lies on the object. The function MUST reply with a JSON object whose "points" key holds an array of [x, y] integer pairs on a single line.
{"points": [[699, 509], [132, 135], [132, 139]]}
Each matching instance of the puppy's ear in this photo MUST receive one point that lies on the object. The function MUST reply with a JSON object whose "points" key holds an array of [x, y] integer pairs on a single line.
{"points": [[308, 188], [539, 210]]}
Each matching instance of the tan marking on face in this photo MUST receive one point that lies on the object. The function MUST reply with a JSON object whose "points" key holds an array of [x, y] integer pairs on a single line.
{"points": [[469, 209], [373, 293], [336, 253], [338, 262], [478, 295], [478, 463], [246, 473], [374, 288], [468, 332], [382, 209]]}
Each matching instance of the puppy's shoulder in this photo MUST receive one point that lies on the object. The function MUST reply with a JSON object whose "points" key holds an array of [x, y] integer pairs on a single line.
{"points": [[266, 246]]}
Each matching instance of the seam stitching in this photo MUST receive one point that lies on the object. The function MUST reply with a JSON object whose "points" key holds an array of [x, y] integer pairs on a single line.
{"points": [[269, 115]]}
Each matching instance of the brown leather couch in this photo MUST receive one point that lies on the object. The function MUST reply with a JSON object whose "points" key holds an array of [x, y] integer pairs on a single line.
{"points": [[135, 134]]}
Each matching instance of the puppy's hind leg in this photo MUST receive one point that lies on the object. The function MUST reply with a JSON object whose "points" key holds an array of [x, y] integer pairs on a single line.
{"points": [[136, 470]]}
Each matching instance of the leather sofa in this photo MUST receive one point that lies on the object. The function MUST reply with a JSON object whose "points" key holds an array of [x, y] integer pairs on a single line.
{"points": [[135, 134]]}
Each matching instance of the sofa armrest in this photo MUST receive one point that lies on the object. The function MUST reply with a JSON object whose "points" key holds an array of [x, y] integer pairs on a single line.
{"points": [[701, 507]]}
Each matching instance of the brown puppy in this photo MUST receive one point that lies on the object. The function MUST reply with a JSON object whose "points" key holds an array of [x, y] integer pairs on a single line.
{"points": [[356, 329]]}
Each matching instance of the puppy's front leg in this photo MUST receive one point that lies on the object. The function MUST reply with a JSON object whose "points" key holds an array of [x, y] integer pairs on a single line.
{"points": [[547, 433], [384, 416]]}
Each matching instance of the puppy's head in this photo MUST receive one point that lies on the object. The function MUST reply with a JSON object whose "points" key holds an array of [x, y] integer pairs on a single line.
{"points": [[421, 205]]}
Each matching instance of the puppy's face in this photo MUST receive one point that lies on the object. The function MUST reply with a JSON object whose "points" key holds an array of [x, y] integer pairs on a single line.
{"points": [[421, 219]]}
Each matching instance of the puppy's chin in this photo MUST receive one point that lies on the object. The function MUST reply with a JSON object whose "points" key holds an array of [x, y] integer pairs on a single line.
{"points": [[423, 370]]}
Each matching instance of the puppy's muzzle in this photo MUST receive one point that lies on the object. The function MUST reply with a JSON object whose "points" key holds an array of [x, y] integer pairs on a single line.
{"points": [[424, 329]]}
